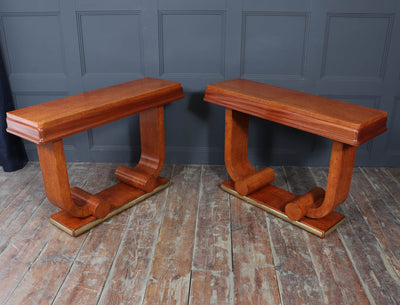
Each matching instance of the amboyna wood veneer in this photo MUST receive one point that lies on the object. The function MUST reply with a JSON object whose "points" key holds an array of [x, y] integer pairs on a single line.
{"points": [[48, 123], [348, 125]]}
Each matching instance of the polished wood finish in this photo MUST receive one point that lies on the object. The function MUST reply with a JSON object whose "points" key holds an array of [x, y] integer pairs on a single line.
{"points": [[246, 178], [254, 181], [55, 178], [144, 176], [237, 254], [274, 199], [336, 120], [120, 197], [346, 124], [298, 207], [46, 124]]}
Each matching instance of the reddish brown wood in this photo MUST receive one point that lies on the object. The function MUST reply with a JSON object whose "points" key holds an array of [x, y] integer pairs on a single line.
{"points": [[339, 179], [274, 262], [254, 181], [144, 176], [347, 124], [120, 197], [246, 178], [273, 200], [46, 125], [298, 208], [336, 120], [236, 143], [256, 190], [55, 178]]}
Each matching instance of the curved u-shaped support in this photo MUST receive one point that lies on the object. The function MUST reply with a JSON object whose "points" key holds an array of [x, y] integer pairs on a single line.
{"points": [[339, 179], [145, 174], [337, 189], [246, 178], [56, 183], [236, 144]]}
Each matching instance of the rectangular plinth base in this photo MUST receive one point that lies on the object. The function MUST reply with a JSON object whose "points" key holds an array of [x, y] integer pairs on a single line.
{"points": [[121, 196], [273, 200]]}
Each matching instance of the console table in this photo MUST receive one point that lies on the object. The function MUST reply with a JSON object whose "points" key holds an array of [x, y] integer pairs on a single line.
{"points": [[346, 124], [47, 124]]}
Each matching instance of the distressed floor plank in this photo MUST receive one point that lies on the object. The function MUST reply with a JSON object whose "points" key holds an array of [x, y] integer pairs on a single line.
{"points": [[85, 279], [254, 271], [170, 275], [195, 244], [364, 237], [135, 254], [12, 183], [45, 276], [212, 278], [387, 224], [298, 281], [20, 210], [18, 256], [338, 278], [211, 287]]}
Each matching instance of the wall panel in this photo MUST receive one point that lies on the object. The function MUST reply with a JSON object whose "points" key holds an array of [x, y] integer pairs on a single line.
{"points": [[347, 50], [271, 38], [356, 45]]}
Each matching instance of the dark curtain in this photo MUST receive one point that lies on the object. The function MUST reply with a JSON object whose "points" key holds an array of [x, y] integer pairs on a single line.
{"points": [[12, 152]]}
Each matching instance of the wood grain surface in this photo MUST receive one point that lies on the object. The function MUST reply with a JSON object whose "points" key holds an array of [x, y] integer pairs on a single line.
{"points": [[45, 123], [195, 244], [341, 121]]}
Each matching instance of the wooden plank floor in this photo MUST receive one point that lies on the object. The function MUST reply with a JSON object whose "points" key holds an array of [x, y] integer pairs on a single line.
{"points": [[194, 244]]}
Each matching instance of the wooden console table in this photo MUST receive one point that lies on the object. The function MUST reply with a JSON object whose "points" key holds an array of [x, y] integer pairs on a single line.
{"points": [[48, 123], [346, 124]]}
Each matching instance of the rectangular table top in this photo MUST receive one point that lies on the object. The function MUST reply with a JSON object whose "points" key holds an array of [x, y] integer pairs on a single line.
{"points": [[51, 121], [337, 120]]}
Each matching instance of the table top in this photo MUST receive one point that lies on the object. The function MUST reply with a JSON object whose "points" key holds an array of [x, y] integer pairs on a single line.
{"points": [[337, 120], [57, 119]]}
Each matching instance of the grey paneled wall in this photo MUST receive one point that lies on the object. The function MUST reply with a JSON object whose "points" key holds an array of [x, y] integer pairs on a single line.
{"points": [[348, 50]]}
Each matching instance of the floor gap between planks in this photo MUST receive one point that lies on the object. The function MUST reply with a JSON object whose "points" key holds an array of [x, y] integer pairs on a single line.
{"points": [[195, 244]]}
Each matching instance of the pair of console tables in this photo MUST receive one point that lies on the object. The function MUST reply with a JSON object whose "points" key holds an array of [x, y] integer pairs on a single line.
{"points": [[47, 124]]}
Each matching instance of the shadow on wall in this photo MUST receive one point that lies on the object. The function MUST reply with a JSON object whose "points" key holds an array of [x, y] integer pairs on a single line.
{"points": [[276, 144], [198, 107]]}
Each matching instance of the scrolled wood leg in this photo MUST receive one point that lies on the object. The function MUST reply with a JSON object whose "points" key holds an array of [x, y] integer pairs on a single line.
{"points": [[255, 181], [298, 208], [55, 178], [339, 179], [98, 208], [137, 178], [337, 189], [145, 174], [312, 211], [246, 178], [236, 145]]}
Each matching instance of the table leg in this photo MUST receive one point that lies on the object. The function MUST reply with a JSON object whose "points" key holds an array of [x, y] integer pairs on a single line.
{"points": [[247, 179], [337, 188], [145, 174], [255, 186], [136, 185], [55, 178]]}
